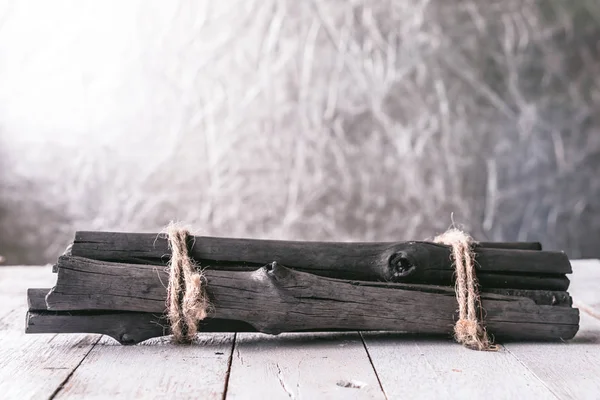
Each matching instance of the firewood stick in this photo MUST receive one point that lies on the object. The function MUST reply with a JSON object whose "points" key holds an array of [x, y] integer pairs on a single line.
{"points": [[396, 262], [133, 328], [36, 297], [276, 299]]}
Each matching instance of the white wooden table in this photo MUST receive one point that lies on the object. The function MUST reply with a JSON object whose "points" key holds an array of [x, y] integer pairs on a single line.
{"points": [[292, 366]]}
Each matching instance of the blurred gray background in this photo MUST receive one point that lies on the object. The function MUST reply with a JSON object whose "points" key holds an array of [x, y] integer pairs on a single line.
{"points": [[317, 120]]}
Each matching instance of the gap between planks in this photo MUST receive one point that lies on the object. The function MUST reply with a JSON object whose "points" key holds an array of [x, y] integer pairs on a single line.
{"points": [[39, 358], [156, 368], [534, 368], [372, 365], [532, 372], [333, 365], [573, 381], [66, 380], [229, 363]]}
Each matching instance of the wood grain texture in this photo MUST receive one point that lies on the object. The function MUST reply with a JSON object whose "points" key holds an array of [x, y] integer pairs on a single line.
{"points": [[413, 262], [36, 298], [302, 366], [571, 370], [122, 246], [32, 367], [430, 369], [276, 299], [126, 329], [132, 327], [157, 369]]}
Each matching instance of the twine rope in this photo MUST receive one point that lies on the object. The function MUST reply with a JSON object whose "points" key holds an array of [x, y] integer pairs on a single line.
{"points": [[468, 330], [187, 302]]}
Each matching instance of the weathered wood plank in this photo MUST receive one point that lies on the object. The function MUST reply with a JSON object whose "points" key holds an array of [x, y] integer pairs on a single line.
{"points": [[430, 369], [276, 299], [32, 367], [302, 366], [571, 370], [156, 369]]}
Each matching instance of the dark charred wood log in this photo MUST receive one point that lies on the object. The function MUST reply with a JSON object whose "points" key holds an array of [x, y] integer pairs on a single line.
{"points": [[274, 299], [124, 327], [490, 280], [511, 245], [411, 262], [131, 328], [37, 297], [114, 284]]}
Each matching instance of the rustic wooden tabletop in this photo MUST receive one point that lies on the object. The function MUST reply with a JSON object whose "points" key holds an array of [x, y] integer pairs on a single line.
{"points": [[292, 366]]}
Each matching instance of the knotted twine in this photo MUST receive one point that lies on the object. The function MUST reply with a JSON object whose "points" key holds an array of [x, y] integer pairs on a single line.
{"points": [[468, 330], [187, 303]]}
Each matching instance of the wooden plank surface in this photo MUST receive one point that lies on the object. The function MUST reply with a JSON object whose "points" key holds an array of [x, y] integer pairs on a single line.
{"points": [[571, 370], [35, 367], [333, 365], [32, 367], [413, 369], [155, 369], [431, 368], [302, 366]]}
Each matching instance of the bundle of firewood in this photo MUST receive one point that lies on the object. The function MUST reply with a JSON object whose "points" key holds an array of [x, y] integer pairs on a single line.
{"points": [[116, 284]]}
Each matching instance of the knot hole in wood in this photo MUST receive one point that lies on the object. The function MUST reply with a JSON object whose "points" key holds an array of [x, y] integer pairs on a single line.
{"points": [[401, 265]]}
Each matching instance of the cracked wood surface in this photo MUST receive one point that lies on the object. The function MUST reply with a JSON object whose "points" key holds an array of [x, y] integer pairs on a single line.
{"points": [[155, 369], [302, 366], [292, 365], [435, 369], [33, 366], [275, 299], [579, 374], [500, 265]]}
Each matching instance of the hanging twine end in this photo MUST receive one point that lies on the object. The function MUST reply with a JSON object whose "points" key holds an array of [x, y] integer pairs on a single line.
{"points": [[473, 336]]}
